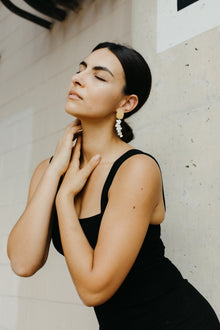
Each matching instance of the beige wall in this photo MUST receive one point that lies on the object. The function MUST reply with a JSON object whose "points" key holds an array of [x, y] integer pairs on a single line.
{"points": [[179, 125], [35, 70]]}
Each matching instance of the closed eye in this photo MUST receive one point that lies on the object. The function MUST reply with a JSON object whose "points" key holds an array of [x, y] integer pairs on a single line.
{"points": [[100, 78], [97, 77]]}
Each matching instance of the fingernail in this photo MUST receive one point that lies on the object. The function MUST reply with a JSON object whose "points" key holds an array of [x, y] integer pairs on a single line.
{"points": [[96, 158]]}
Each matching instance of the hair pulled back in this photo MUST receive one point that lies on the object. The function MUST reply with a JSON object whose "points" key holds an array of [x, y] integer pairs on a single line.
{"points": [[137, 76]]}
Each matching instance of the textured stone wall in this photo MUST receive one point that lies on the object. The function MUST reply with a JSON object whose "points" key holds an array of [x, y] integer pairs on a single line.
{"points": [[35, 71], [180, 126]]}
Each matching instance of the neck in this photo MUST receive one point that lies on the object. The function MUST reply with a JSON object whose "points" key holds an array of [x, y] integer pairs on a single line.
{"points": [[99, 138]]}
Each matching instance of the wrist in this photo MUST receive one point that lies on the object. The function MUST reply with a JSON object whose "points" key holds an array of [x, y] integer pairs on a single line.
{"points": [[64, 196], [51, 171]]}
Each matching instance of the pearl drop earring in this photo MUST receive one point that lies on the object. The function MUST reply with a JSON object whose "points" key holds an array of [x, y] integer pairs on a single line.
{"points": [[119, 117]]}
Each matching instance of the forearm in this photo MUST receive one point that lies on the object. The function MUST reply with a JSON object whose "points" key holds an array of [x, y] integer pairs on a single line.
{"points": [[29, 237], [78, 253]]}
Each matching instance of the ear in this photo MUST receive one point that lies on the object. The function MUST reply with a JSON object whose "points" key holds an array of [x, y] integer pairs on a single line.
{"points": [[128, 103]]}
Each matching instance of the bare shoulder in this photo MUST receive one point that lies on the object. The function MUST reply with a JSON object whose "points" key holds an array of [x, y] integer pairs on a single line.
{"points": [[138, 177], [37, 175], [140, 167], [42, 166], [40, 169]]}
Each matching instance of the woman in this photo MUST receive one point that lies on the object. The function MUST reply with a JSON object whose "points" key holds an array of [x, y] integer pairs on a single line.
{"points": [[102, 202]]}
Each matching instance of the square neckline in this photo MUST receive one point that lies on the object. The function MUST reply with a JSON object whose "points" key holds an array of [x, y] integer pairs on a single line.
{"points": [[108, 181], [104, 185]]}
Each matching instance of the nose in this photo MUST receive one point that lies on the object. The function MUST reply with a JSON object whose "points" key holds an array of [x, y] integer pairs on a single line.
{"points": [[77, 79]]}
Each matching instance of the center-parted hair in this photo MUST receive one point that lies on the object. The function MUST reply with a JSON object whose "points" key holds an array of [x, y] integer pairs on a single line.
{"points": [[137, 77]]}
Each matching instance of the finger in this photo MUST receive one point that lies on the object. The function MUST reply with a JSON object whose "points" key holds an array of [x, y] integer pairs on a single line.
{"points": [[71, 131], [75, 122], [77, 130], [94, 161], [77, 150], [77, 134]]}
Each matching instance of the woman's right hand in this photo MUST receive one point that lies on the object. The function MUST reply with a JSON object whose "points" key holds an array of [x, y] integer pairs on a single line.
{"points": [[63, 152]]}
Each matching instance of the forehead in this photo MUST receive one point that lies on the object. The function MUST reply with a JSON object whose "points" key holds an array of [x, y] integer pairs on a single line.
{"points": [[104, 57]]}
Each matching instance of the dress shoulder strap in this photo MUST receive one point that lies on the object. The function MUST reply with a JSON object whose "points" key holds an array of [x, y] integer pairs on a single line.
{"points": [[113, 171]]}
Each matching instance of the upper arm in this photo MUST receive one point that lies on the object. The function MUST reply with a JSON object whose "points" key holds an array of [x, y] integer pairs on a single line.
{"points": [[133, 196], [36, 177]]}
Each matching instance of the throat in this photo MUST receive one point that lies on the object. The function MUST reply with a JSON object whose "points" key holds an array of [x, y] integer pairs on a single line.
{"points": [[99, 140]]}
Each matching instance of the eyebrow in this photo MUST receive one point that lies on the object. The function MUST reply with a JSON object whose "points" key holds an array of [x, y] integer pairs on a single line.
{"points": [[97, 68]]}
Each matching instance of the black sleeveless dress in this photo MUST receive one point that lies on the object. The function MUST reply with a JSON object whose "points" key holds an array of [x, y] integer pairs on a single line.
{"points": [[154, 294]]}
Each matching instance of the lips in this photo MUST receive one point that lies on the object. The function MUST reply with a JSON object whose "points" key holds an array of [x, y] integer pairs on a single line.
{"points": [[74, 95]]}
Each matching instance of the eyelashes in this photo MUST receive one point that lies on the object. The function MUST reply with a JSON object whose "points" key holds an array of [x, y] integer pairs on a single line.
{"points": [[100, 78], [97, 77]]}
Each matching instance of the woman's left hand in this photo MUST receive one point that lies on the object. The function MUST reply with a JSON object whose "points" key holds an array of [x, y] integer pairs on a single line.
{"points": [[75, 177]]}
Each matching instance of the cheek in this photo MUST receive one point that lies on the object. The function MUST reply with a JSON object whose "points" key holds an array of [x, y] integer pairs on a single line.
{"points": [[105, 98]]}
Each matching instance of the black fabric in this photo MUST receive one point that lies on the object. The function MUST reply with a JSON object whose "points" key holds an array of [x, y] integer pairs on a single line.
{"points": [[56, 239], [113, 171], [154, 294]]}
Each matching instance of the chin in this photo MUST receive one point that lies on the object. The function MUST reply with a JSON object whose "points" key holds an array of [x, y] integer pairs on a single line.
{"points": [[74, 113], [71, 110]]}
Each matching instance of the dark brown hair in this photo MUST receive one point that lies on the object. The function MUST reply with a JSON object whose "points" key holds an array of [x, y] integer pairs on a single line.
{"points": [[137, 75]]}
